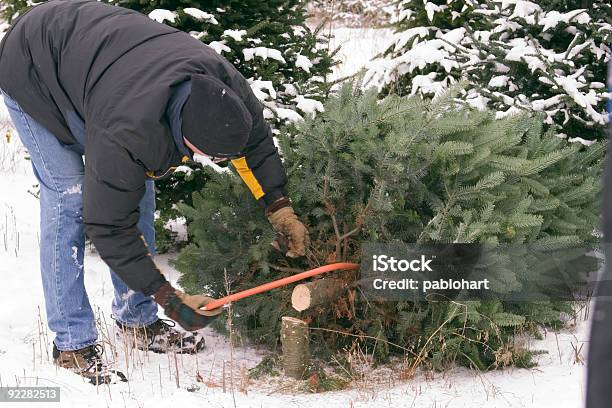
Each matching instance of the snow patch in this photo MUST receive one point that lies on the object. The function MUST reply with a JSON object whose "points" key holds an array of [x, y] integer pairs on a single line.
{"points": [[543, 104], [235, 34], [75, 259], [127, 294], [424, 54], [258, 86], [585, 100], [198, 35], [184, 169], [310, 106], [431, 9], [219, 46], [477, 101], [179, 226], [290, 89], [553, 18], [401, 39], [288, 114], [581, 141], [76, 189], [526, 10], [511, 111], [298, 31], [303, 62], [499, 81], [161, 15], [263, 52], [425, 84], [454, 36], [205, 161], [200, 15]]}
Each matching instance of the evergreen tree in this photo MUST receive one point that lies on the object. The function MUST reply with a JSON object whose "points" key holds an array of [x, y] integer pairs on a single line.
{"points": [[516, 55], [401, 169]]}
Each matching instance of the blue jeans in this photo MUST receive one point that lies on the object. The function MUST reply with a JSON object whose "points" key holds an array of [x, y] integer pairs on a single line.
{"points": [[60, 170]]}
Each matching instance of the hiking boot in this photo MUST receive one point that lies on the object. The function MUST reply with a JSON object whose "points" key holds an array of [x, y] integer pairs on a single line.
{"points": [[87, 363], [161, 337]]}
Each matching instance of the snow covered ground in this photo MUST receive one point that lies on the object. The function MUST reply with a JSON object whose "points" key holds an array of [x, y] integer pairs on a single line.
{"points": [[167, 380], [357, 47]]}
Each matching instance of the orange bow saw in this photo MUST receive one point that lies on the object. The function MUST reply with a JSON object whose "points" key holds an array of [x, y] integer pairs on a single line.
{"points": [[280, 282]]}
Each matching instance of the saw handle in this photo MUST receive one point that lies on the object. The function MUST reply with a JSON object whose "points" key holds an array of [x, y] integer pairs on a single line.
{"points": [[278, 283]]}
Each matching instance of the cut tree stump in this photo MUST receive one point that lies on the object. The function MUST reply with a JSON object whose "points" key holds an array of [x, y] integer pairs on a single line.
{"points": [[318, 292], [295, 342]]}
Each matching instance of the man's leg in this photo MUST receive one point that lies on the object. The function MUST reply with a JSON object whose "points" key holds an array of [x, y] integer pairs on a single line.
{"points": [[131, 308], [62, 239]]}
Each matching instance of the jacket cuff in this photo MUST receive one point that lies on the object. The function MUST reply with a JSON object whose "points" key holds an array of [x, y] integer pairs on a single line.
{"points": [[271, 197], [163, 294], [277, 205]]}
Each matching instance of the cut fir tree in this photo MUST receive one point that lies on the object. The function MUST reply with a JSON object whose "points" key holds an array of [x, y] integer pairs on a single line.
{"points": [[405, 170]]}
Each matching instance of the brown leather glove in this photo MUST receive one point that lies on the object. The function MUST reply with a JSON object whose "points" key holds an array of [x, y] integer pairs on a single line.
{"points": [[197, 301], [185, 309], [285, 222]]}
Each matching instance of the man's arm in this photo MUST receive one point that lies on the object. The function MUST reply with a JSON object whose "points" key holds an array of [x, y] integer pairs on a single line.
{"points": [[261, 168], [113, 187], [262, 171]]}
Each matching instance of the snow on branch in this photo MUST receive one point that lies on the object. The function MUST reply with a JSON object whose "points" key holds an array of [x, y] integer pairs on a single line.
{"points": [[512, 54]]}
